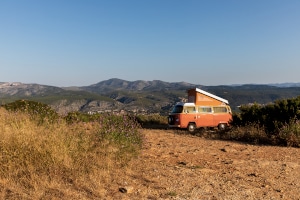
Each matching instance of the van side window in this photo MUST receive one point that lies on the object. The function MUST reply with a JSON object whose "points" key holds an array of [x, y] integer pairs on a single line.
{"points": [[204, 109], [220, 109], [190, 109]]}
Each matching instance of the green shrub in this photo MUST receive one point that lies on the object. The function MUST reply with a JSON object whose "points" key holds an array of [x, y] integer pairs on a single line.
{"points": [[152, 120], [289, 134], [73, 117], [271, 116], [251, 114], [277, 123], [250, 133], [37, 111]]}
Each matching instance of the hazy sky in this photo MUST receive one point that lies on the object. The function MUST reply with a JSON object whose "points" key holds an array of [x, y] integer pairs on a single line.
{"points": [[207, 42]]}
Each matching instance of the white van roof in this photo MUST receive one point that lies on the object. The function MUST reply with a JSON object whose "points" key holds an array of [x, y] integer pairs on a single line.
{"points": [[184, 104], [212, 96]]}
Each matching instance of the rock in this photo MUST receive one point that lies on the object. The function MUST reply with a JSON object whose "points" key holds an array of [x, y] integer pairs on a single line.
{"points": [[228, 149], [126, 189], [182, 163]]}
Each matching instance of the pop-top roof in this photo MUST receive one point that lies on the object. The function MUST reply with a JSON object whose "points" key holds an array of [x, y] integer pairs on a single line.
{"points": [[212, 96]]}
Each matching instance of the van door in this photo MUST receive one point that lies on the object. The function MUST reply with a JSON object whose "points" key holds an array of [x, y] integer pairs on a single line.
{"points": [[205, 116], [189, 115]]}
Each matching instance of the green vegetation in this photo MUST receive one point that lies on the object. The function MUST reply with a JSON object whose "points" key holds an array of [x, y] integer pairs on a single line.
{"points": [[73, 117], [35, 110], [172, 194], [65, 158], [275, 123], [152, 121], [70, 96]]}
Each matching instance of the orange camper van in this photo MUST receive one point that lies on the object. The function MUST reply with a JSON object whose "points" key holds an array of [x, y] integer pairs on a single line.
{"points": [[202, 109]]}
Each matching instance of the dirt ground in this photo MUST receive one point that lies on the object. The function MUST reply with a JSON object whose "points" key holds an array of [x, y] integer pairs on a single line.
{"points": [[173, 165]]}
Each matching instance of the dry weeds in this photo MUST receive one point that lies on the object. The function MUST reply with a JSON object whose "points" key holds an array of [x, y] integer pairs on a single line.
{"points": [[54, 161]]}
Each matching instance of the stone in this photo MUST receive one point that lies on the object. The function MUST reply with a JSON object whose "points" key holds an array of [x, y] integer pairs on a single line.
{"points": [[126, 189]]}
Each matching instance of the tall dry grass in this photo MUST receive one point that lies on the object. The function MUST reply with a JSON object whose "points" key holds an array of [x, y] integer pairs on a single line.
{"points": [[56, 160]]}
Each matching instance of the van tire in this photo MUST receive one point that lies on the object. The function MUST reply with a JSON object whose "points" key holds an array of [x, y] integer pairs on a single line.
{"points": [[222, 127], [191, 127]]}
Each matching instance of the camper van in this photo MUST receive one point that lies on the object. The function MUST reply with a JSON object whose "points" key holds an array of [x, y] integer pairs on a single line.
{"points": [[203, 109]]}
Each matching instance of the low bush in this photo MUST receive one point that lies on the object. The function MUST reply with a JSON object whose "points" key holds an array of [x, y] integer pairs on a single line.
{"points": [[73, 117], [251, 133], [289, 134], [122, 130], [152, 121], [35, 110], [278, 122]]}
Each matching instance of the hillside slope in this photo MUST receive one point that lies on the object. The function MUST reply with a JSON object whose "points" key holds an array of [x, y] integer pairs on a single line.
{"points": [[137, 96]]}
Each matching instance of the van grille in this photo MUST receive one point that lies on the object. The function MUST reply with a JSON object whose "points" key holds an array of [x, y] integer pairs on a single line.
{"points": [[171, 120]]}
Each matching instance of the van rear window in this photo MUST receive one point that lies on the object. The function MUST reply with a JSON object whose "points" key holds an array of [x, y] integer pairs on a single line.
{"points": [[220, 109]]}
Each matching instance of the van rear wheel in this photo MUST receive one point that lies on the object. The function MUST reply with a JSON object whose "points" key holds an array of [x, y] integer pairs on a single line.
{"points": [[222, 127], [191, 127]]}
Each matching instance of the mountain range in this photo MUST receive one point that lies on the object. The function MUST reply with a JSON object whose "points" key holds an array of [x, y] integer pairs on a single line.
{"points": [[139, 96]]}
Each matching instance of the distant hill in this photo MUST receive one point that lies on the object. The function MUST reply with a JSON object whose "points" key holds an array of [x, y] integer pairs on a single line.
{"points": [[119, 84], [138, 96], [62, 100], [285, 84]]}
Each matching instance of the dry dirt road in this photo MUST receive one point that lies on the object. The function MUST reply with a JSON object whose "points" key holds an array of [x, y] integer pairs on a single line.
{"points": [[181, 166]]}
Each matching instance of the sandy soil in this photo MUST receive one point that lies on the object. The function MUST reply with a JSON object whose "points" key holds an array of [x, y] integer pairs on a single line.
{"points": [[173, 165]]}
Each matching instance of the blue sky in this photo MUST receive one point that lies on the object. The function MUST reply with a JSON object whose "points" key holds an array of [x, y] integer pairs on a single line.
{"points": [[206, 42]]}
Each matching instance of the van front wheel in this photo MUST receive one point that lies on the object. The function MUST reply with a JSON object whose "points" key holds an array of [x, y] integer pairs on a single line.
{"points": [[191, 127]]}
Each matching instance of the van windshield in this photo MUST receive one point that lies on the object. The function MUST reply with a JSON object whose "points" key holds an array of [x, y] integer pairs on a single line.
{"points": [[177, 109]]}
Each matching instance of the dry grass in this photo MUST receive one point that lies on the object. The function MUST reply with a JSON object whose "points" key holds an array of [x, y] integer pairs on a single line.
{"points": [[251, 133], [55, 161], [288, 135]]}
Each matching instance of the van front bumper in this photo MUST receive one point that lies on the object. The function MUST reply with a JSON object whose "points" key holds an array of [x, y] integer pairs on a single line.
{"points": [[174, 126]]}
